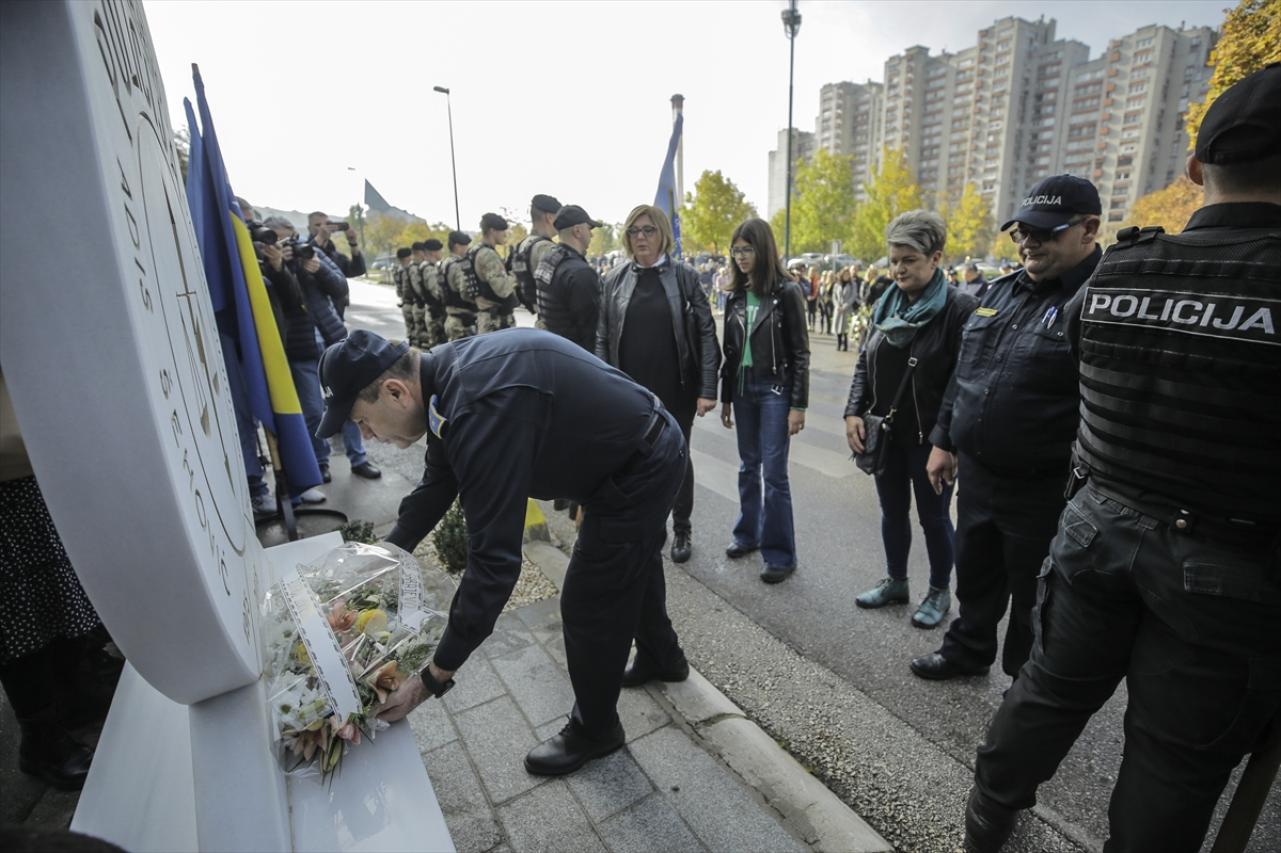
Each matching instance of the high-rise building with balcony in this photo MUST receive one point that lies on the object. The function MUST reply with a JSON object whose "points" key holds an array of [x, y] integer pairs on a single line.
{"points": [[849, 123], [802, 149]]}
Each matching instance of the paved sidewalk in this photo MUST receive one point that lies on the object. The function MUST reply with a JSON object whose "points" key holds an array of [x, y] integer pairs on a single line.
{"points": [[662, 792]]}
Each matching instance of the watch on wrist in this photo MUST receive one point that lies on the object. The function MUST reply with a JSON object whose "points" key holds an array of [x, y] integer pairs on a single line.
{"points": [[434, 687]]}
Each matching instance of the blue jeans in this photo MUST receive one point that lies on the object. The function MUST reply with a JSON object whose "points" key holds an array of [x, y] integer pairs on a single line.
{"points": [[307, 381], [246, 427], [904, 476], [765, 514]]}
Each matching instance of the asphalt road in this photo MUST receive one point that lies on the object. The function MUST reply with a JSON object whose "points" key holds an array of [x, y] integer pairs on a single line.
{"points": [[840, 555]]}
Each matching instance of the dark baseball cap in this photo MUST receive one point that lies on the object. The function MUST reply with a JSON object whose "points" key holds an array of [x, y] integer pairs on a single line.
{"points": [[1054, 201], [571, 215], [346, 368], [492, 222], [1244, 123], [458, 238], [545, 203], [432, 245]]}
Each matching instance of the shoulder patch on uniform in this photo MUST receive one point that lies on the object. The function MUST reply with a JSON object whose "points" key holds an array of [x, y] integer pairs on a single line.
{"points": [[1216, 315], [985, 311], [435, 422]]}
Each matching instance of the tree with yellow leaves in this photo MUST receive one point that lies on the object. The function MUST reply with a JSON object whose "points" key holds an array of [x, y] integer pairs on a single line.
{"points": [[1171, 207], [1249, 41], [890, 191], [969, 224]]}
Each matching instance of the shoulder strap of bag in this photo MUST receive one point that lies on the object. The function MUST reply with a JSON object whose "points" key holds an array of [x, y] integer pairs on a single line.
{"points": [[902, 386]]}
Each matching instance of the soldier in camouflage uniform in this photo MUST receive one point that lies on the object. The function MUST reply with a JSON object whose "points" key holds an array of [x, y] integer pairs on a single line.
{"points": [[429, 274], [455, 290], [404, 298], [496, 296], [529, 253], [414, 282]]}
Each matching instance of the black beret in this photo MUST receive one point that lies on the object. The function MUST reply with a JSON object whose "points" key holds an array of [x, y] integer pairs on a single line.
{"points": [[458, 238], [1244, 123], [545, 203], [432, 245], [493, 222], [403, 252], [418, 246]]}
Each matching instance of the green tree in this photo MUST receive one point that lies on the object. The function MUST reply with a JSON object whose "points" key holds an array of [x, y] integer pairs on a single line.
{"points": [[712, 212], [1249, 40], [604, 240], [970, 226], [889, 191], [822, 202], [1171, 207], [1003, 248]]}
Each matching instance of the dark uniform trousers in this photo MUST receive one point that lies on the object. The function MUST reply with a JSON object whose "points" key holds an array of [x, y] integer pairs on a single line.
{"points": [[1003, 532], [1193, 623], [614, 588]]}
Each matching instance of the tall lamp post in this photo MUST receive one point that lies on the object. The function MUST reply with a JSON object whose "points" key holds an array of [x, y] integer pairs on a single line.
{"points": [[791, 26], [453, 165]]}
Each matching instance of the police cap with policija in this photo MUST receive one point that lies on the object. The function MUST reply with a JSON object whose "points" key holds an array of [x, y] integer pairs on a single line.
{"points": [[1052, 203], [346, 368], [1244, 123], [545, 203], [493, 222], [571, 215]]}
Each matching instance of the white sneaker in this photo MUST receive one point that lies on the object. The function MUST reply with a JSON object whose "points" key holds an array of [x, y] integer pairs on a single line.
{"points": [[312, 496], [264, 503]]}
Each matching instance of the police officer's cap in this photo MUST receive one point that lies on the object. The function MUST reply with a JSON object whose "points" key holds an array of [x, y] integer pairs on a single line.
{"points": [[571, 215], [1244, 123], [545, 203], [1055, 200], [432, 245], [458, 238], [492, 222], [346, 368], [404, 252]]}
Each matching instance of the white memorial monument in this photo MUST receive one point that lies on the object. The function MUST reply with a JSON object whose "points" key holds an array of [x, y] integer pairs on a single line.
{"points": [[108, 344]]}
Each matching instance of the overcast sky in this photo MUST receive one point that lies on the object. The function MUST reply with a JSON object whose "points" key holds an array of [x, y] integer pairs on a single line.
{"points": [[566, 98]]}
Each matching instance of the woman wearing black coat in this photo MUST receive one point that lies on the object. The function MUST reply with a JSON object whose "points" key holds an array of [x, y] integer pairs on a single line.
{"points": [[918, 317]]}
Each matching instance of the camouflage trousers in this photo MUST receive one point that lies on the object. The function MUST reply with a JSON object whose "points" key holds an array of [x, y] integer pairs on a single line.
{"points": [[435, 329], [459, 326], [492, 322], [411, 325]]}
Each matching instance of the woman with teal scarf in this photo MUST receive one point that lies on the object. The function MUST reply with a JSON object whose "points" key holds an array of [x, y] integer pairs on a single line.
{"points": [[919, 318]]}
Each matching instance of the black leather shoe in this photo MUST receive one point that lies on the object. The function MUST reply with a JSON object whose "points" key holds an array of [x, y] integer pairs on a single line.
{"points": [[641, 672], [325, 475], [736, 550], [570, 750], [367, 470], [987, 825], [680, 548], [777, 574], [935, 667]]}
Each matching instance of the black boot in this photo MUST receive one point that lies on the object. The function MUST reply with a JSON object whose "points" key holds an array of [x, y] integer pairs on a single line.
{"points": [[681, 547], [50, 754]]}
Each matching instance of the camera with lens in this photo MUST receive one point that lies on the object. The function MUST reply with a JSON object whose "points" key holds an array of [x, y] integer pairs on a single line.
{"points": [[302, 251], [338, 226], [261, 236]]}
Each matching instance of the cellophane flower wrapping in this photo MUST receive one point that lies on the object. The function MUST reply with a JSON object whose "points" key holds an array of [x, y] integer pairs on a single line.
{"points": [[341, 634]]}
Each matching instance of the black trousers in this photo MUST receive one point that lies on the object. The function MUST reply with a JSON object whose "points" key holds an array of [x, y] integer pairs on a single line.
{"points": [[614, 588], [684, 506], [1003, 532], [1190, 623]]}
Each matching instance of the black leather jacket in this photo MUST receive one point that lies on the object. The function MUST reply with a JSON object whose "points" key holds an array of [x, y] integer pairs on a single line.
{"points": [[780, 341], [692, 322], [936, 348]]}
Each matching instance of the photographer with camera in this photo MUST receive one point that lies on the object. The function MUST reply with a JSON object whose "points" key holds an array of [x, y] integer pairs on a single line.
{"points": [[315, 324], [319, 230]]}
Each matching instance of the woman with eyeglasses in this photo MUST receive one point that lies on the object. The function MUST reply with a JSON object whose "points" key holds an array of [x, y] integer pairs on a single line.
{"points": [[656, 326], [765, 385], [904, 368]]}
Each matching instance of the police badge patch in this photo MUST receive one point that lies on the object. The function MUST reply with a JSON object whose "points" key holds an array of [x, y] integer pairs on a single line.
{"points": [[435, 422]]}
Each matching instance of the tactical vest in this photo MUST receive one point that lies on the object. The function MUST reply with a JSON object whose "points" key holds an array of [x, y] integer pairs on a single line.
{"points": [[1181, 370], [518, 265], [428, 272], [480, 286], [453, 299], [551, 311], [398, 278]]}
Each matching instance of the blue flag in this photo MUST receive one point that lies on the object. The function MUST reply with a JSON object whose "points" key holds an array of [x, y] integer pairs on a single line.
{"points": [[240, 302], [665, 199]]}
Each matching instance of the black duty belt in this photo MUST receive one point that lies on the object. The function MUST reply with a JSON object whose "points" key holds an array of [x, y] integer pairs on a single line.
{"points": [[1193, 522]]}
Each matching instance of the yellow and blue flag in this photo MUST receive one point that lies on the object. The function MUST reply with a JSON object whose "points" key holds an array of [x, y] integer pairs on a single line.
{"points": [[665, 199], [240, 301]]}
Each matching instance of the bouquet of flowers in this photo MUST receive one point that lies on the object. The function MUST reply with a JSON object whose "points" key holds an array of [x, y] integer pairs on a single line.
{"points": [[341, 635]]}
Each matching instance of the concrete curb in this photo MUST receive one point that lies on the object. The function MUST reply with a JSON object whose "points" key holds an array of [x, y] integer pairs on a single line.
{"points": [[818, 815]]}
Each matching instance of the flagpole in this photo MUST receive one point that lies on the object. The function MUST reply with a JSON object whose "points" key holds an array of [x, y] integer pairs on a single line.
{"points": [[678, 107]]}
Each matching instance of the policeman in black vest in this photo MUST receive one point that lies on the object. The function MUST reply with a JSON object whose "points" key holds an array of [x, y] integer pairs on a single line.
{"points": [[1010, 413], [1166, 568], [579, 429], [568, 287], [524, 259]]}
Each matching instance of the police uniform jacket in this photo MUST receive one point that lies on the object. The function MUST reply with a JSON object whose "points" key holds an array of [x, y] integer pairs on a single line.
{"points": [[514, 415], [1012, 403], [570, 304]]}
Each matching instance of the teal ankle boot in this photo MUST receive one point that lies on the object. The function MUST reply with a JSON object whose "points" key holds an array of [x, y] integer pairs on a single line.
{"points": [[888, 591], [933, 608]]}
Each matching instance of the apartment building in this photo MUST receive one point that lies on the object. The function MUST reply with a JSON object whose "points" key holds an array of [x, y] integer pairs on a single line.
{"points": [[803, 146], [1019, 105]]}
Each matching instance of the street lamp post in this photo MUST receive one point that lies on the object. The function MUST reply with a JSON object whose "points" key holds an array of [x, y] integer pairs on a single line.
{"points": [[453, 165], [791, 26]]}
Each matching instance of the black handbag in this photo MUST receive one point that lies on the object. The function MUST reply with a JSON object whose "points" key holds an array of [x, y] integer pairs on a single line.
{"points": [[877, 429]]}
